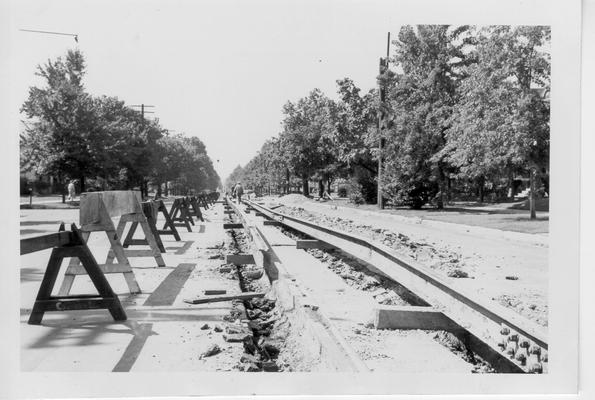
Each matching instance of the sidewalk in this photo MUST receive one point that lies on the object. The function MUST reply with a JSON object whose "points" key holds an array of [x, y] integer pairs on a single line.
{"points": [[539, 239]]}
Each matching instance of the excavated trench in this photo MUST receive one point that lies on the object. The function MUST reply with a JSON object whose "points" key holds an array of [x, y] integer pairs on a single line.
{"points": [[252, 321]]}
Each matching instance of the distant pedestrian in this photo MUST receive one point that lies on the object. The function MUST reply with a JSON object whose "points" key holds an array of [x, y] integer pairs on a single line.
{"points": [[71, 191], [238, 191]]}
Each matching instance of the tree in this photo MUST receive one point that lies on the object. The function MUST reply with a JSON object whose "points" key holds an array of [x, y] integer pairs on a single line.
{"points": [[63, 136], [420, 102], [307, 136], [71, 134], [501, 123]]}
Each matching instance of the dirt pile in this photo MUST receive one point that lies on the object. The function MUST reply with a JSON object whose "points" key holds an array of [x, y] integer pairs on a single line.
{"points": [[440, 259]]}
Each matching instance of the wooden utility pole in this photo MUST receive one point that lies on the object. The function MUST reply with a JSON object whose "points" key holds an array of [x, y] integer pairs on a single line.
{"points": [[143, 111], [383, 67], [144, 184]]}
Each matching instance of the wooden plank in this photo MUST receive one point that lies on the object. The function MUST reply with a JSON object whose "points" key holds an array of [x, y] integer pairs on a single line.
{"points": [[74, 304], [105, 268], [116, 202], [138, 253], [137, 242], [239, 259], [212, 292], [232, 226], [215, 299], [312, 244], [412, 317], [31, 245], [272, 223]]}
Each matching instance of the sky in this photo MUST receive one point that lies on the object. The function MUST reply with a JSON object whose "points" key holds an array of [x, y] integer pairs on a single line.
{"points": [[218, 70]]}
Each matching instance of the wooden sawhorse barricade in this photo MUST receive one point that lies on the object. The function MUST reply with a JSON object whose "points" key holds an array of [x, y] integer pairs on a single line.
{"points": [[70, 244], [194, 209], [168, 228], [180, 213], [96, 212], [151, 210], [151, 238], [202, 200]]}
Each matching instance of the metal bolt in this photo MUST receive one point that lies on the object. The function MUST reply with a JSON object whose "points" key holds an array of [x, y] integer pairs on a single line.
{"points": [[536, 368], [521, 358]]}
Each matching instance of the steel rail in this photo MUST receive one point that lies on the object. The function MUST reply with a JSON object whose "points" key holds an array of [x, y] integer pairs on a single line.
{"points": [[365, 249]]}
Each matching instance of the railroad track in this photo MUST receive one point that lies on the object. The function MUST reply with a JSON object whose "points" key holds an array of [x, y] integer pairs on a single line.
{"points": [[506, 340]]}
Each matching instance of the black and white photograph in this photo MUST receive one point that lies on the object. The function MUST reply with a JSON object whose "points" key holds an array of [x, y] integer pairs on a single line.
{"points": [[293, 197]]}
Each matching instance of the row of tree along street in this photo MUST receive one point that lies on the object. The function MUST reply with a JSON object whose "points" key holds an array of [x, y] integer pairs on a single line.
{"points": [[100, 142], [462, 112]]}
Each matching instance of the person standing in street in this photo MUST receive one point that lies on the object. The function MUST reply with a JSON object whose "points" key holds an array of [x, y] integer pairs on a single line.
{"points": [[71, 191], [238, 191]]}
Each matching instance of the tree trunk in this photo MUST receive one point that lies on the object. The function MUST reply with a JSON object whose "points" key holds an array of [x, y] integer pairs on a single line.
{"points": [[82, 183], [481, 187], [320, 188], [441, 186], [62, 188], [510, 186], [287, 187], [329, 182], [165, 189], [158, 190], [305, 188]]}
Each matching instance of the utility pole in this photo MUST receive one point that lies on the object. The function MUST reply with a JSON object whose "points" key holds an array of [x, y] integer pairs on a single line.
{"points": [[143, 111], [383, 67], [144, 184]]}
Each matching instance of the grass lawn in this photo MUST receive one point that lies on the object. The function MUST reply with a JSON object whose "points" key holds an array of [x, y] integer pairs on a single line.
{"points": [[504, 216]]}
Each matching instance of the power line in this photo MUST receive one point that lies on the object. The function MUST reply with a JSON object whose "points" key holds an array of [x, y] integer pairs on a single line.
{"points": [[76, 36], [142, 109]]}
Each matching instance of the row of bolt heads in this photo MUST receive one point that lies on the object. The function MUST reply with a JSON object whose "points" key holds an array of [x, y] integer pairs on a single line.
{"points": [[521, 349]]}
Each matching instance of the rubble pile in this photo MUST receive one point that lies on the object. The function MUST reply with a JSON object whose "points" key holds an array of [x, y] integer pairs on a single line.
{"points": [[428, 254]]}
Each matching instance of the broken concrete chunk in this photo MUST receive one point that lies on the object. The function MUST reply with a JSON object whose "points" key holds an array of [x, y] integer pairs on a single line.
{"points": [[236, 329], [250, 367], [211, 351], [218, 328], [270, 366], [457, 273], [253, 314], [204, 327], [235, 337], [249, 358], [254, 274]]}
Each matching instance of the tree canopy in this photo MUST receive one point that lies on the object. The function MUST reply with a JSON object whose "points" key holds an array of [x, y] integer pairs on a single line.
{"points": [[71, 134], [463, 107]]}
